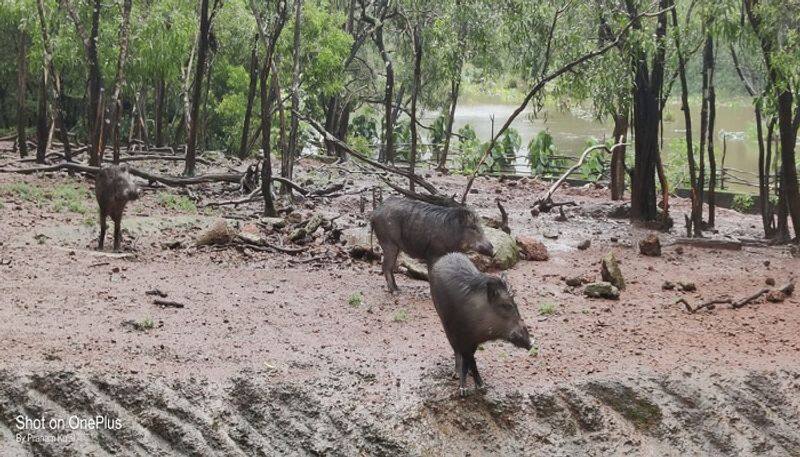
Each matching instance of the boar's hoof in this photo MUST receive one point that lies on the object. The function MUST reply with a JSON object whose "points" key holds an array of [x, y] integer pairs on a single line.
{"points": [[462, 391]]}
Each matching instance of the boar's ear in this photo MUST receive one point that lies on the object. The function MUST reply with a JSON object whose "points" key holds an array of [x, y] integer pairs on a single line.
{"points": [[494, 287], [504, 279]]}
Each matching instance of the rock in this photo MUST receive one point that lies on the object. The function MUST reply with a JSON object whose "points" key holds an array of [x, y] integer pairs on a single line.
{"points": [[294, 218], [414, 269], [679, 250], [614, 239], [609, 270], [650, 245], [220, 232], [506, 253], [794, 250], [601, 289], [274, 222], [298, 234], [668, 285], [550, 234], [770, 281], [314, 223], [251, 238], [481, 262], [687, 286], [532, 248], [364, 252], [584, 245], [575, 281], [775, 296]]}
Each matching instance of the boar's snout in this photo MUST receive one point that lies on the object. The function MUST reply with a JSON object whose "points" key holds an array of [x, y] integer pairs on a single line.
{"points": [[521, 338], [485, 247]]}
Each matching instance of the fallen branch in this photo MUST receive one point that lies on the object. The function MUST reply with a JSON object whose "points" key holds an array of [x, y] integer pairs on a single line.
{"points": [[786, 290], [732, 245], [709, 304], [503, 217], [168, 303], [547, 199], [133, 158]]}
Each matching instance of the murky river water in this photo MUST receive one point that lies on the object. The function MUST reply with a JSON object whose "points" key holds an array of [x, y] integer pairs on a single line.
{"points": [[571, 130]]}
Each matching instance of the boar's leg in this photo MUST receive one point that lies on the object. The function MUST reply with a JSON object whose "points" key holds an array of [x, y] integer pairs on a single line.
{"points": [[103, 226], [459, 361], [474, 371], [390, 252], [117, 230], [462, 375]]}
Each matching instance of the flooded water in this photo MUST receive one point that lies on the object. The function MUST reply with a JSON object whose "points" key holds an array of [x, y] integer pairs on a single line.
{"points": [[572, 129]]}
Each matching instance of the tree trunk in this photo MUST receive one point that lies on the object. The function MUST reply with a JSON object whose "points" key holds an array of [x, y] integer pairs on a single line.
{"points": [[387, 151], [95, 114], [712, 160], [287, 165], [646, 118], [159, 114], [251, 95], [697, 202], [789, 185], [41, 122], [22, 88], [116, 101], [455, 89], [266, 130], [417, 42], [202, 54], [618, 156]]}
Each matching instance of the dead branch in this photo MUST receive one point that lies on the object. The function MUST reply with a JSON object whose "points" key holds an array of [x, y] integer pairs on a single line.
{"points": [[133, 158], [709, 304], [503, 217], [168, 303], [732, 245], [787, 290]]}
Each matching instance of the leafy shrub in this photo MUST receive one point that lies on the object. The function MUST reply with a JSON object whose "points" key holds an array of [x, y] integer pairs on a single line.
{"points": [[743, 203], [542, 157]]}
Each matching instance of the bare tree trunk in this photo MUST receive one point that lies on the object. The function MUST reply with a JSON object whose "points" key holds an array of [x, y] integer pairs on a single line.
{"points": [[387, 151], [697, 202], [618, 156], [41, 122], [287, 165], [417, 43], [251, 95], [266, 129], [22, 88], [712, 114], [116, 101], [202, 54], [789, 185], [159, 112], [646, 118], [455, 89]]}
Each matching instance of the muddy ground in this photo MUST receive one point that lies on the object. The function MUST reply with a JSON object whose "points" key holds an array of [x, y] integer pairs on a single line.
{"points": [[276, 354]]}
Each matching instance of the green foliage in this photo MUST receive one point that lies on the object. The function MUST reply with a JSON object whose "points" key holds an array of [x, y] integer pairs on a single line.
{"points": [[595, 165], [174, 202], [743, 203], [401, 315], [23, 191], [542, 158], [355, 300], [547, 309]]}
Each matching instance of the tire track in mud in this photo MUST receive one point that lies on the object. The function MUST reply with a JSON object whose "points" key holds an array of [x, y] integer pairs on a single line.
{"points": [[251, 414]]}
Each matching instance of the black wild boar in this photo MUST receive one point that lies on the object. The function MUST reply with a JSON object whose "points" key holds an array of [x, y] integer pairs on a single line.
{"points": [[474, 308], [425, 232], [114, 188]]}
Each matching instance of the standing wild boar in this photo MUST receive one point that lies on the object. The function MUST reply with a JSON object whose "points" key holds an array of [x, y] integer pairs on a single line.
{"points": [[474, 308], [425, 232], [114, 188]]}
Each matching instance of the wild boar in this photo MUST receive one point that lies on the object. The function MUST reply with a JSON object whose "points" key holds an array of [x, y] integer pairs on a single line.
{"points": [[474, 308], [425, 232], [114, 188]]}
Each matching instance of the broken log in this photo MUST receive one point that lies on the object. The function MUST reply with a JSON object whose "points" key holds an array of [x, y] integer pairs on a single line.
{"points": [[732, 245], [168, 303]]}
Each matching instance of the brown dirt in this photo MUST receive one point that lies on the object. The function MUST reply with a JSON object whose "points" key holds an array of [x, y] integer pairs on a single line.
{"points": [[269, 357]]}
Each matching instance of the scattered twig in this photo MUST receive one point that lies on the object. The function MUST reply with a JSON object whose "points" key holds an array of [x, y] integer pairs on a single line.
{"points": [[709, 304], [98, 264], [786, 290], [733, 245], [503, 217], [156, 292], [168, 303]]}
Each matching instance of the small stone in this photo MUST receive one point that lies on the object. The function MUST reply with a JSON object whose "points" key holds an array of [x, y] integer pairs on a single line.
{"points": [[775, 296], [650, 246], [770, 281], [609, 270], [687, 286], [532, 248], [668, 285], [766, 263], [614, 239], [679, 250], [584, 245], [602, 289], [575, 281]]}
